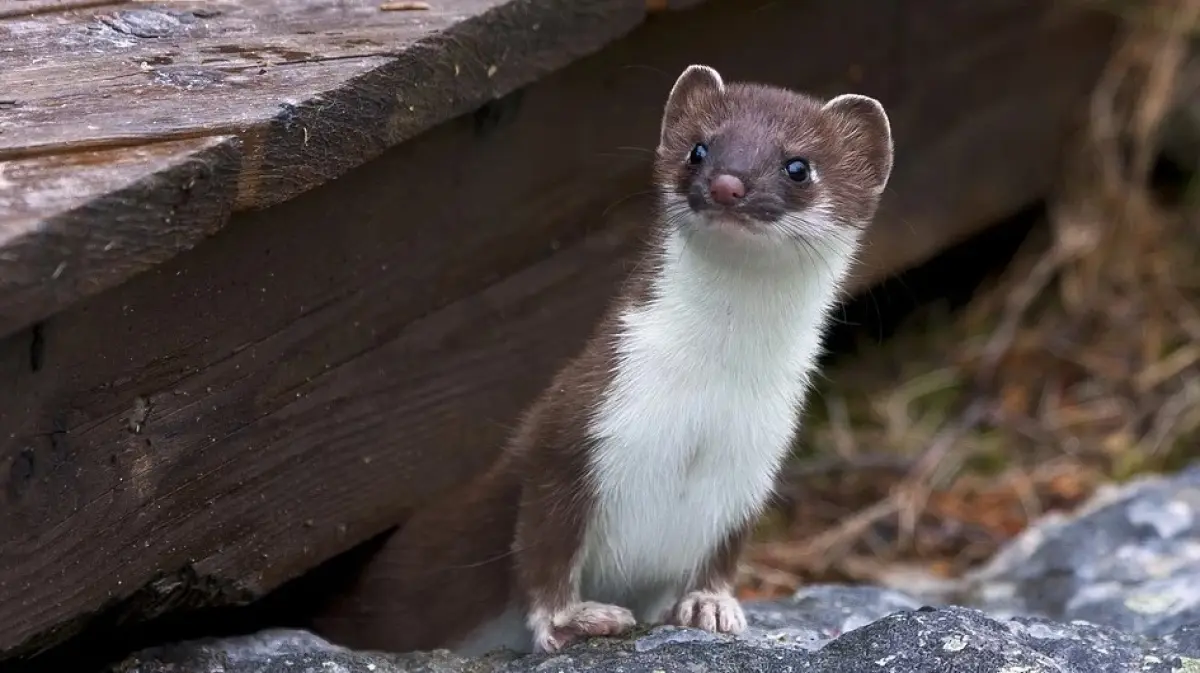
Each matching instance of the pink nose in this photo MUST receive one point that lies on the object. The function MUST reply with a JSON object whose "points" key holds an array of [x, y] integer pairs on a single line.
{"points": [[727, 190]]}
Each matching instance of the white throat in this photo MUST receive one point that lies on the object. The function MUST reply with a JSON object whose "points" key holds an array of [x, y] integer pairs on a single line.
{"points": [[757, 293]]}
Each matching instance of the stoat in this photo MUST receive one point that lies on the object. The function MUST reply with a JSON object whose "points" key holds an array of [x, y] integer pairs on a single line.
{"points": [[632, 483]]}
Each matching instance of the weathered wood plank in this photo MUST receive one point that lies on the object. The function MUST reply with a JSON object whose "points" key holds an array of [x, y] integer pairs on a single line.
{"points": [[205, 522], [310, 89], [98, 78], [156, 201], [296, 382], [27, 8]]}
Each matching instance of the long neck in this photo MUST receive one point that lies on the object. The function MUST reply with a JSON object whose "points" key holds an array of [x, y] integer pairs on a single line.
{"points": [[757, 299]]}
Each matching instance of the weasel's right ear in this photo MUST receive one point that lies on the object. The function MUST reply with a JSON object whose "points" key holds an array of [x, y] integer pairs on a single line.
{"points": [[696, 79], [863, 122]]}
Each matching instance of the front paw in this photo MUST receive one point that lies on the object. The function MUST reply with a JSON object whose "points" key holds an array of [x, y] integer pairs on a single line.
{"points": [[719, 612], [553, 631]]}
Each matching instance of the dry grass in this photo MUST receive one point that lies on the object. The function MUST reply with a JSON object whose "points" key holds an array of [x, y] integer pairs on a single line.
{"points": [[1081, 364]]}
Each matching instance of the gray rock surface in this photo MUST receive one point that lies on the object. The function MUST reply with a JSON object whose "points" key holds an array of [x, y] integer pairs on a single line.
{"points": [[1116, 587], [1130, 560]]}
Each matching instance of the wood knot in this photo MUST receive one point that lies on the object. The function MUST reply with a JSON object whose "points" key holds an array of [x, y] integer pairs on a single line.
{"points": [[147, 23]]}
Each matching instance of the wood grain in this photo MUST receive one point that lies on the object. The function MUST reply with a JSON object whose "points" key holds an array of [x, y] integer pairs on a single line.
{"points": [[655, 6], [309, 88], [28, 8], [157, 200], [331, 77], [299, 380]]}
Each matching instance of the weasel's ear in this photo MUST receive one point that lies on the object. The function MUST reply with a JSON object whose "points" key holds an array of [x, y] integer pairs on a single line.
{"points": [[863, 123], [696, 79]]}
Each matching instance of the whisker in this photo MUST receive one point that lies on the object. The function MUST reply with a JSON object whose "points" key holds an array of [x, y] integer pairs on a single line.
{"points": [[623, 199]]}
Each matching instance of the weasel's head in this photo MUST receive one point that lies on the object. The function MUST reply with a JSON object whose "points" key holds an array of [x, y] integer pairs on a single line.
{"points": [[762, 161]]}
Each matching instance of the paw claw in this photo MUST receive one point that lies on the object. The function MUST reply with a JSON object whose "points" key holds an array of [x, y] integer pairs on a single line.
{"points": [[717, 612], [552, 632]]}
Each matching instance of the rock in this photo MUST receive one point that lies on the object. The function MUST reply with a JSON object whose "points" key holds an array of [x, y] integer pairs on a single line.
{"points": [[1128, 564], [965, 640], [801, 635], [1130, 560], [816, 614]]}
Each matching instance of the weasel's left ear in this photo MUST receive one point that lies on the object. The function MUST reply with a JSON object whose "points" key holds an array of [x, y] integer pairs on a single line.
{"points": [[696, 80], [863, 123]]}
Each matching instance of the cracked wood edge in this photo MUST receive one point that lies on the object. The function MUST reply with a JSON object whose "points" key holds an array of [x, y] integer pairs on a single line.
{"points": [[154, 201]]}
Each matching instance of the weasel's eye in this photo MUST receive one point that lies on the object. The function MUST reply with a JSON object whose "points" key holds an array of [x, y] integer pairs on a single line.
{"points": [[797, 169], [698, 153]]}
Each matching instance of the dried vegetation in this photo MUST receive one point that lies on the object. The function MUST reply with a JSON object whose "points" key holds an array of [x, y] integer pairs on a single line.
{"points": [[1079, 365]]}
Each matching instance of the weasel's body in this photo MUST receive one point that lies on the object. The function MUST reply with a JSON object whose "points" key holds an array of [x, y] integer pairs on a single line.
{"points": [[628, 491]]}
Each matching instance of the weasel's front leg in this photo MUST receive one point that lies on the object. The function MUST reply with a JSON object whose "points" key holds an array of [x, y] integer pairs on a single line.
{"points": [[548, 549], [711, 604]]}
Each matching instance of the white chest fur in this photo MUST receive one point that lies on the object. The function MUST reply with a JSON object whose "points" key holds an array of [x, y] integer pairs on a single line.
{"points": [[710, 376]]}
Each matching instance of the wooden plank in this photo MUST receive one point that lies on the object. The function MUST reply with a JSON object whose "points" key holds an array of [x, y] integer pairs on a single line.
{"points": [[309, 88], [158, 200], [298, 381], [205, 522], [333, 74], [26, 8]]}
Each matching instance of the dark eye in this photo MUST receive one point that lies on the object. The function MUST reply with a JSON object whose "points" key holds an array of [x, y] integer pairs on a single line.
{"points": [[797, 169], [699, 151]]}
